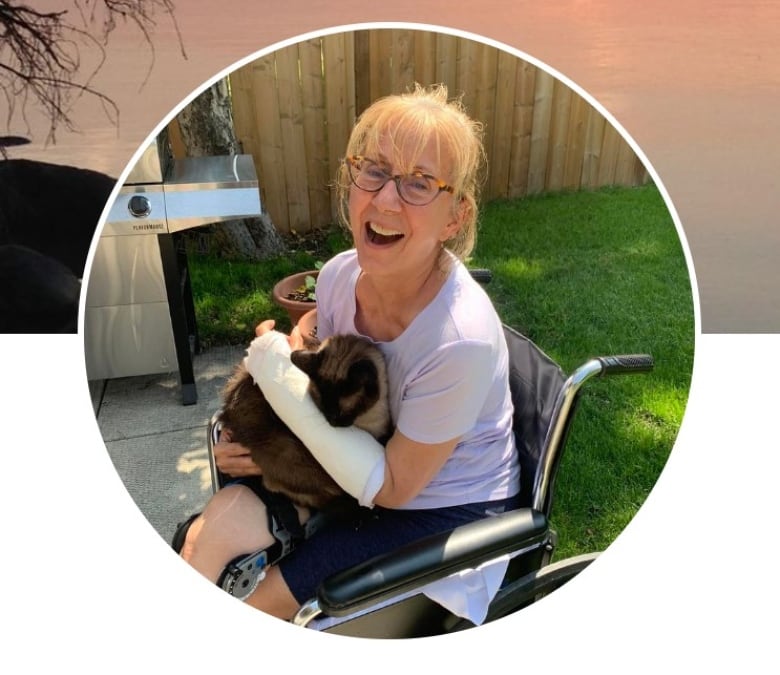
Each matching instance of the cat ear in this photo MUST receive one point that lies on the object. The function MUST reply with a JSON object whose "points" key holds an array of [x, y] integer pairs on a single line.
{"points": [[306, 360]]}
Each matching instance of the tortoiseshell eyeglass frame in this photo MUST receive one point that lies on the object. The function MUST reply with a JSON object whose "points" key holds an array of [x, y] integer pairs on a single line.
{"points": [[354, 160]]}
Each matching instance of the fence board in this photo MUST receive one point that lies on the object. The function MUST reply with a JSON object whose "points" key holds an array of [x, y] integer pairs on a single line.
{"points": [[485, 103], [363, 41], [523, 116], [292, 136], [447, 62], [503, 124], [381, 55], [403, 60], [425, 57], [540, 132], [339, 100], [594, 137], [575, 142], [624, 167], [559, 130], [314, 121], [465, 74], [609, 155], [293, 111]]}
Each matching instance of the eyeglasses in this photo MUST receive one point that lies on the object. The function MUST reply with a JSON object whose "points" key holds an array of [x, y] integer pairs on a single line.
{"points": [[416, 188]]}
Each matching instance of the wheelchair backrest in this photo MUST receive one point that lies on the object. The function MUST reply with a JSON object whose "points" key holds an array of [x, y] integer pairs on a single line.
{"points": [[535, 381]]}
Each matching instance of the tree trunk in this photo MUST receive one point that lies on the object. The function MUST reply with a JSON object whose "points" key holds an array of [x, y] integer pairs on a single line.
{"points": [[206, 127]]}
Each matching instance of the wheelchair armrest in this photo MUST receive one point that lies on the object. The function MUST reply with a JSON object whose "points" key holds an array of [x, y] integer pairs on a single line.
{"points": [[430, 559]]}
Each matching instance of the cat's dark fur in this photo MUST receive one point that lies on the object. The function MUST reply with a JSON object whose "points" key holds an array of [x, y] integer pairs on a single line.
{"points": [[348, 383]]}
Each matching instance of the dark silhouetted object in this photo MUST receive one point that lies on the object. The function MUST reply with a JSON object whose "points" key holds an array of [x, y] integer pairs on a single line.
{"points": [[38, 294], [51, 208], [48, 217]]}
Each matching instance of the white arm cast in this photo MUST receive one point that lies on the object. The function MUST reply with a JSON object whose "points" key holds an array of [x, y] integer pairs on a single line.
{"points": [[353, 457]]}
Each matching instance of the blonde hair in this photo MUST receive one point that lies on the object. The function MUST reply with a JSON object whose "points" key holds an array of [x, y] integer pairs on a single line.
{"points": [[411, 121]]}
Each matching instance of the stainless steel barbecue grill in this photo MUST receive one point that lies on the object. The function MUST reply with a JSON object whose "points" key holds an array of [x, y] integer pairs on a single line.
{"points": [[139, 317]]}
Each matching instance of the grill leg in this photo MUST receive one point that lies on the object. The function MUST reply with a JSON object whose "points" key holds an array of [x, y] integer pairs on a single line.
{"points": [[182, 310]]}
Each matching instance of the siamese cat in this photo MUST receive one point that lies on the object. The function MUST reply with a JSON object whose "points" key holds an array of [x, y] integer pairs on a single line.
{"points": [[348, 383]]}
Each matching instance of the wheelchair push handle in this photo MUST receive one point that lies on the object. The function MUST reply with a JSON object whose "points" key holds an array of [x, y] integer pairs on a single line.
{"points": [[482, 275], [626, 363]]}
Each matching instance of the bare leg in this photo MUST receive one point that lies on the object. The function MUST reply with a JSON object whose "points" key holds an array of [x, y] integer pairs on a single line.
{"points": [[233, 523]]}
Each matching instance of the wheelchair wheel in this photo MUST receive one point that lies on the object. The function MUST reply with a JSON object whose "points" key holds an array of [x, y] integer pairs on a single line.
{"points": [[532, 587]]}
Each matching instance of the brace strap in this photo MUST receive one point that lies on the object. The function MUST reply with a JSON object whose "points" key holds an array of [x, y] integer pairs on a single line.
{"points": [[283, 520], [242, 575]]}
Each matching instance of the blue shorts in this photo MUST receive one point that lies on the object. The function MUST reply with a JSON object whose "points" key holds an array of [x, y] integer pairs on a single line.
{"points": [[372, 532]]}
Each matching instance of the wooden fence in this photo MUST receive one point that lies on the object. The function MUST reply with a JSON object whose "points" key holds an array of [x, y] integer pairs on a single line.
{"points": [[293, 111]]}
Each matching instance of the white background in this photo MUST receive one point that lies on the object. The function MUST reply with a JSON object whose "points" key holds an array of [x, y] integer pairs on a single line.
{"points": [[691, 584]]}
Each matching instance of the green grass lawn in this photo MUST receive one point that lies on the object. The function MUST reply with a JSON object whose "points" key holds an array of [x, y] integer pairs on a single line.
{"points": [[582, 274], [595, 273]]}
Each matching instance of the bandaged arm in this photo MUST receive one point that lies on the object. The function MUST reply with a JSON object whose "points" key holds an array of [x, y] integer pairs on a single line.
{"points": [[352, 456]]}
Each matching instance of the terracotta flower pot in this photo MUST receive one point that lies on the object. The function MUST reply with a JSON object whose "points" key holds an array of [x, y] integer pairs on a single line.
{"points": [[287, 286]]}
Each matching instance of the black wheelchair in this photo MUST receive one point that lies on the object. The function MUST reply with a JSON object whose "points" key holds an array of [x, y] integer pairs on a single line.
{"points": [[383, 598]]}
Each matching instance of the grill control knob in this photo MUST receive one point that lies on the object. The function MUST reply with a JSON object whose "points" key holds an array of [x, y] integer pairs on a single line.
{"points": [[139, 206]]}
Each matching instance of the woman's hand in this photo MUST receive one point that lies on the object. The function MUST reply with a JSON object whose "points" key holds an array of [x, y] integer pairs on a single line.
{"points": [[233, 458], [264, 327], [295, 338]]}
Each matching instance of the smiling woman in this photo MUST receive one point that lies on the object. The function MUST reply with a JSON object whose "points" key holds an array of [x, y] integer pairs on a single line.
{"points": [[451, 458]]}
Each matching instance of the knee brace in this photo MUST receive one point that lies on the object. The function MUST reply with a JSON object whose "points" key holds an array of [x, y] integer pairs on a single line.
{"points": [[241, 576]]}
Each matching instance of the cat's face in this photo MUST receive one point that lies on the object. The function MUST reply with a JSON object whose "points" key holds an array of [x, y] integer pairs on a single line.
{"points": [[344, 381]]}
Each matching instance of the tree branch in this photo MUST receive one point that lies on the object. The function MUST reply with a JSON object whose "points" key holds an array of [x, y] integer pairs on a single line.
{"points": [[40, 53]]}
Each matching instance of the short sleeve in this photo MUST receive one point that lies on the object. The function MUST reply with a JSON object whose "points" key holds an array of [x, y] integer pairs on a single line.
{"points": [[325, 281], [444, 399]]}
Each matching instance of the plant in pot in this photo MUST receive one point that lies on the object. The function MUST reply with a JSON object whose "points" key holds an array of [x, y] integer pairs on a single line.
{"points": [[297, 293]]}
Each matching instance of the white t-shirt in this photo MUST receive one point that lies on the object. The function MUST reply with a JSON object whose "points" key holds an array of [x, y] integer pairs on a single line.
{"points": [[448, 378]]}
